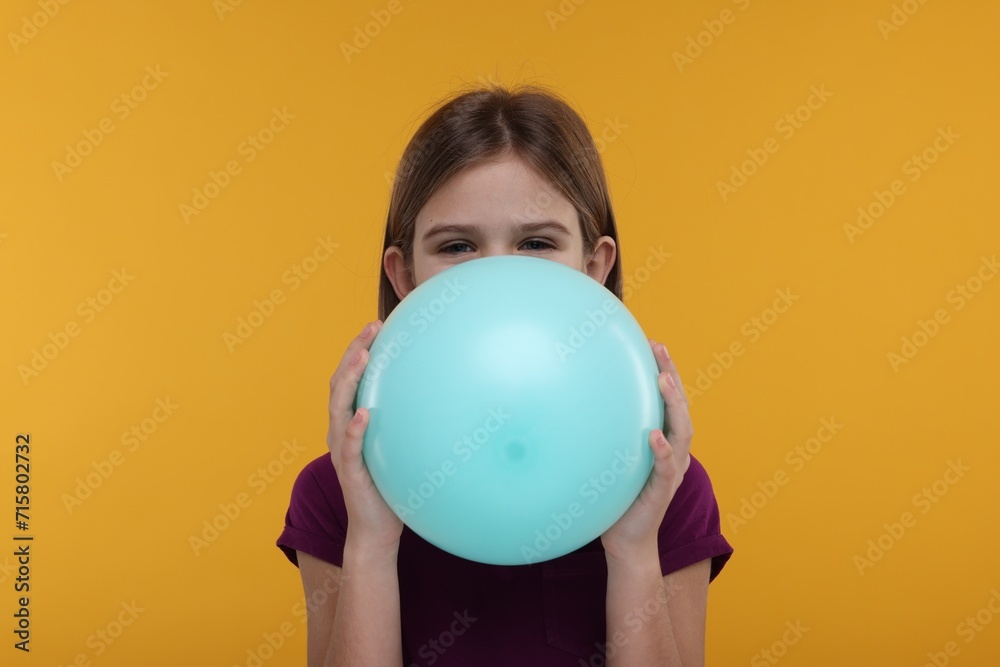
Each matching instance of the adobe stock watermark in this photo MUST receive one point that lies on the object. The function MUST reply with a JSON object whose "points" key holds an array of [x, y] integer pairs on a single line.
{"points": [[634, 621], [318, 598], [914, 167], [131, 439], [7, 570], [435, 647], [271, 642], [623, 463], [608, 133], [655, 260], [32, 23], [104, 637], [786, 126], [365, 34], [88, 310], [224, 7], [899, 17], [578, 335], [254, 144], [752, 329], [231, 510], [121, 108], [463, 450], [562, 12], [968, 629], [696, 44], [923, 500], [958, 297], [779, 648], [797, 457], [294, 276], [419, 321]]}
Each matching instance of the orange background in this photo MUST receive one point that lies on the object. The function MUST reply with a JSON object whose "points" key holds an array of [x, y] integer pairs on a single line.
{"points": [[682, 95]]}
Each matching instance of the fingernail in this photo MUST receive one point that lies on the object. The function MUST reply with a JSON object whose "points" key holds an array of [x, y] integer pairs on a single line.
{"points": [[663, 348], [356, 358], [364, 332], [357, 417], [670, 381]]}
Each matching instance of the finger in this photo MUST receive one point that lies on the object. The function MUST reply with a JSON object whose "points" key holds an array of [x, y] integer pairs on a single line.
{"points": [[661, 483], [362, 341], [678, 419], [679, 428], [344, 383], [352, 463], [665, 363]]}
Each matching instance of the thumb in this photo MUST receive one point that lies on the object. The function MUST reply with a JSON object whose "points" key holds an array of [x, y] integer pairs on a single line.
{"points": [[351, 459], [661, 481]]}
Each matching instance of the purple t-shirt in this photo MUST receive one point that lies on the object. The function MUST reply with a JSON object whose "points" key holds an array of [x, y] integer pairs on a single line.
{"points": [[456, 612]]}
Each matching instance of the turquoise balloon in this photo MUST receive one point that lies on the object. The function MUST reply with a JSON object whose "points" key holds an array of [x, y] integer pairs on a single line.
{"points": [[511, 400]]}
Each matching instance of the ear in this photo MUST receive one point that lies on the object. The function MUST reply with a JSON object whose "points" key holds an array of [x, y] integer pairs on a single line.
{"points": [[599, 265], [398, 272]]}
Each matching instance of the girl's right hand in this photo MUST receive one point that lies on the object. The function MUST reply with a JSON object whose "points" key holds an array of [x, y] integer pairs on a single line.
{"points": [[371, 524]]}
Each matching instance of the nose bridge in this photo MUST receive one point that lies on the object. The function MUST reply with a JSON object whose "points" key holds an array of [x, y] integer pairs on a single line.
{"points": [[497, 239], [495, 247]]}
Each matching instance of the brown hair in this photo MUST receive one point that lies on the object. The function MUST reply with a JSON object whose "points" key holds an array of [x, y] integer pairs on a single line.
{"points": [[485, 123]]}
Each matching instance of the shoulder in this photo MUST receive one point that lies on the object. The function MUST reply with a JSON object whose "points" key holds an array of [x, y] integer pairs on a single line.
{"points": [[695, 492], [691, 529], [317, 473], [316, 520], [317, 487]]}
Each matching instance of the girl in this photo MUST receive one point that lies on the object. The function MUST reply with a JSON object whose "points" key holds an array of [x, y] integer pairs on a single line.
{"points": [[501, 171]]}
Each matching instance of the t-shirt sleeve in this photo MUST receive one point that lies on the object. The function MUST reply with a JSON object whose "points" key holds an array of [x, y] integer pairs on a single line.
{"points": [[691, 530], [316, 520]]}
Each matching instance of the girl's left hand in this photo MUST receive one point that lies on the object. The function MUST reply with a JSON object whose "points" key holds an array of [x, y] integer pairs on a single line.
{"points": [[637, 529]]}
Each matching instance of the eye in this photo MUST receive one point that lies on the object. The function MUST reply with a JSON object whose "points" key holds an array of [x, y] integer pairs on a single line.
{"points": [[450, 248], [457, 247], [539, 242]]}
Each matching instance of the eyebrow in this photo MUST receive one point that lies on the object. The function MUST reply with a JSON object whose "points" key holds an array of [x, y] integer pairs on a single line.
{"points": [[519, 229]]}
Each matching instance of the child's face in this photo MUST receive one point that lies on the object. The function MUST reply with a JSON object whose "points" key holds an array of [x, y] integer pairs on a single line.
{"points": [[500, 208]]}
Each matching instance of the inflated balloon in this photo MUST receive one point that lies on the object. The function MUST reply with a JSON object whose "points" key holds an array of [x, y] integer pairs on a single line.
{"points": [[511, 399]]}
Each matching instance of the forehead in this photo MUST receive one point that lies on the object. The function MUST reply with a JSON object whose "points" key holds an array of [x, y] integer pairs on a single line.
{"points": [[499, 194]]}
